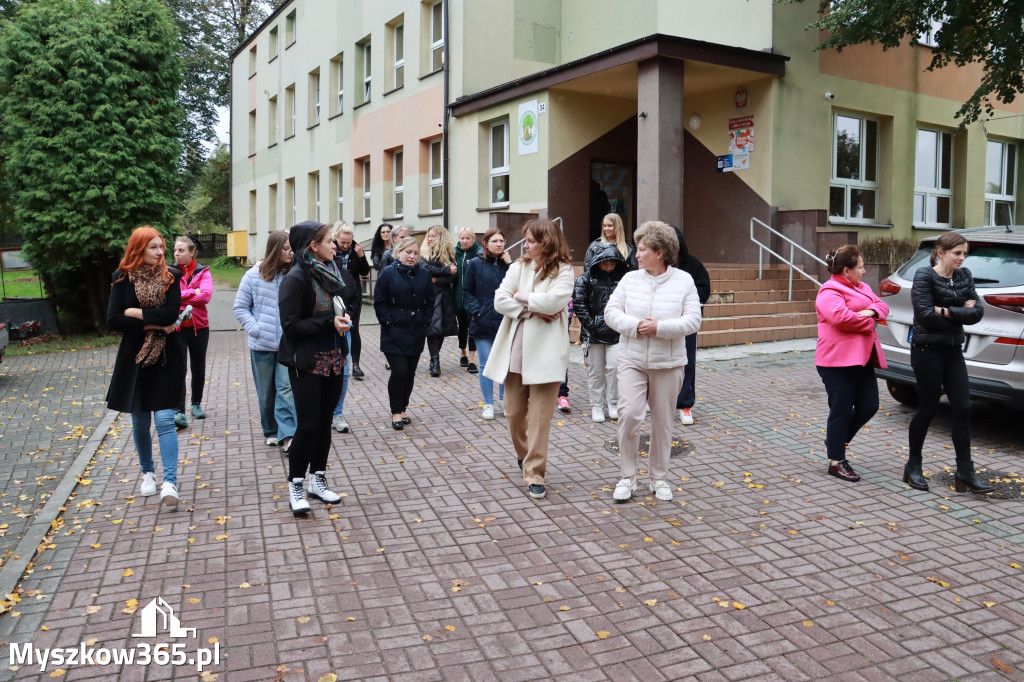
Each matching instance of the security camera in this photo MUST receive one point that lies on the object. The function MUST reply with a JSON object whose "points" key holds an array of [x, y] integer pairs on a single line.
{"points": [[830, 95]]}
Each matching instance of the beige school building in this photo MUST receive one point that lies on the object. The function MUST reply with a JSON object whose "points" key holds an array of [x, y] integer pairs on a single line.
{"points": [[482, 113]]}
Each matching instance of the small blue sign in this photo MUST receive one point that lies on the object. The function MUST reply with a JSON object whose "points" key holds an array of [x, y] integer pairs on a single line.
{"points": [[725, 163]]}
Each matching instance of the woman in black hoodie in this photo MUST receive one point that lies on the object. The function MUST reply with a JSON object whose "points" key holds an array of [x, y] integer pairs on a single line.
{"points": [[314, 349], [944, 300]]}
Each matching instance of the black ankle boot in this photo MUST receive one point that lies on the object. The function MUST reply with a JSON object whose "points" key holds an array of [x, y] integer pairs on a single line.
{"points": [[435, 367], [914, 477], [965, 479]]}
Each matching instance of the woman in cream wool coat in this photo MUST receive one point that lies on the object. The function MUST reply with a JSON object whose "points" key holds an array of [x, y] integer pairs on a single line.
{"points": [[653, 309], [531, 350]]}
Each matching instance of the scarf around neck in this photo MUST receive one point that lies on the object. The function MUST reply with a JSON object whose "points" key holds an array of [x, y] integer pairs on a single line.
{"points": [[150, 290], [326, 279]]}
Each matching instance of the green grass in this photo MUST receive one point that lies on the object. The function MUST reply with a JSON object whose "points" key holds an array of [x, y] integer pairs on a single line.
{"points": [[227, 275], [51, 343], [21, 284]]}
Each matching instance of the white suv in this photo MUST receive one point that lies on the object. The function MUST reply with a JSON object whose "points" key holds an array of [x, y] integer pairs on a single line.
{"points": [[994, 349]]}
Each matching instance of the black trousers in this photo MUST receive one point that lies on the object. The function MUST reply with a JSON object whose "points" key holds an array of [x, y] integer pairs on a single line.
{"points": [[434, 344], [464, 340], [688, 393], [938, 368], [315, 398], [193, 344], [403, 375], [852, 401], [356, 346]]}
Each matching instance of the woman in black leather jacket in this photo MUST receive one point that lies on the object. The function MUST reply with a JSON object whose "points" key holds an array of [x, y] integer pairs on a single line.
{"points": [[944, 301]]}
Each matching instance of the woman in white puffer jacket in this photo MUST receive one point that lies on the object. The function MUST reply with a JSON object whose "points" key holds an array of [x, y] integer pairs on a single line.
{"points": [[653, 309]]}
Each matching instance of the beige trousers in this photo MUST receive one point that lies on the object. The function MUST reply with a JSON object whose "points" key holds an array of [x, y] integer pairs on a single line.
{"points": [[637, 387], [528, 409]]}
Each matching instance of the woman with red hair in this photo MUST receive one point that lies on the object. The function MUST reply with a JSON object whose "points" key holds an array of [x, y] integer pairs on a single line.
{"points": [[149, 368]]}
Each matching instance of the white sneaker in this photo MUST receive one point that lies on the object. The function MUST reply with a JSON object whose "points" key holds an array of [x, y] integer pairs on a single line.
{"points": [[613, 412], [271, 441], [597, 414], [339, 424], [662, 490], [148, 486], [318, 488], [169, 494], [624, 489], [286, 444], [487, 412], [297, 498], [686, 417]]}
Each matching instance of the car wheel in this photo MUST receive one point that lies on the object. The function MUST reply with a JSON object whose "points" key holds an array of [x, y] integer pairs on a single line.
{"points": [[902, 393]]}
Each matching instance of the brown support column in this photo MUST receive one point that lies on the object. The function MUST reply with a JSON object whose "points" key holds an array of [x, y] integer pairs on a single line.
{"points": [[659, 147]]}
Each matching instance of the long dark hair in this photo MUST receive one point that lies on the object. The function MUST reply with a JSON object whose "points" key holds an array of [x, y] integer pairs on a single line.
{"points": [[377, 249], [946, 242], [273, 261]]}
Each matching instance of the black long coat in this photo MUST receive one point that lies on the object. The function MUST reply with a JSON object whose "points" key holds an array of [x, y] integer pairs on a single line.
{"points": [[157, 387], [403, 300], [444, 322]]}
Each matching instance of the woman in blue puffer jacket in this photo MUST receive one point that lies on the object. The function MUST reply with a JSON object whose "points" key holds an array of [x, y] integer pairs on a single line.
{"points": [[483, 275], [256, 310]]}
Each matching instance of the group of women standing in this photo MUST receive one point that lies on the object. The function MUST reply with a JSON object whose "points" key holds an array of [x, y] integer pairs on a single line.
{"points": [[848, 351]]}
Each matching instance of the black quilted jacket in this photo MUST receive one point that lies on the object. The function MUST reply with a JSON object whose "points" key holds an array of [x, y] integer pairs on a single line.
{"points": [[931, 290]]}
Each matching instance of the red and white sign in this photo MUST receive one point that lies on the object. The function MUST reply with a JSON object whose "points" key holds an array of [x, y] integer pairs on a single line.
{"points": [[737, 123], [742, 99]]}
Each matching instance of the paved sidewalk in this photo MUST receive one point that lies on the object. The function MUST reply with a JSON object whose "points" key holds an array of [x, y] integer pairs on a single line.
{"points": [[437, 566]]}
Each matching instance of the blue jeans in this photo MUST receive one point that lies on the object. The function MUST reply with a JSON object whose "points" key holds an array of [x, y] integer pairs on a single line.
{"points": [[167, 436], [340, 407], [483, 349], [274, 391]]}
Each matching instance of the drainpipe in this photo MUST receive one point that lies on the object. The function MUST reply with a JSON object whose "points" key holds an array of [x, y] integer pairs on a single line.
{"points": [[444, 123]]}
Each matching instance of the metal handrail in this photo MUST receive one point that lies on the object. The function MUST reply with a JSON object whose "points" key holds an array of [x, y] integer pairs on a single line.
{"points": [[519, 244], [792, 245]]}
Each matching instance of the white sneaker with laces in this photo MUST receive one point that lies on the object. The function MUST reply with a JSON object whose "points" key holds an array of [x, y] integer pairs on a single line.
{"points": [[297, 498], [597, 415], [339, 424], [169, 494], [487, 412], [624, 489], [318, 488], [685, 416], [662, 490], [271, 441], [148, 486], [613, 412]]}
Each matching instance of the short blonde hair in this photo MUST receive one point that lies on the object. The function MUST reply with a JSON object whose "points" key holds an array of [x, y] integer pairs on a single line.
{"points": [[340, 228], [469, 231], [659, 236]]}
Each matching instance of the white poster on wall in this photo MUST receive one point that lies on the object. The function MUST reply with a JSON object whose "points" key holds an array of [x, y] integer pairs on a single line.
{"points": [[529, 127]]}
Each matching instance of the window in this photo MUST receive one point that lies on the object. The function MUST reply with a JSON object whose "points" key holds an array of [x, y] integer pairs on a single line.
{"points": [[928, 37], [398, 37], [272, 208], [366, 189], [436, 183], [499, 163], [398, 176], [933, 179], [252, 132], [853, 195], [289, 30], [366, 71], [272, 121], [314, 98], [289, 111], [252, 62], [437, 36], [289, 200], [272, 52], [1000, 182], [338, 182], [337, 93], [252, 211], [314, 196]]}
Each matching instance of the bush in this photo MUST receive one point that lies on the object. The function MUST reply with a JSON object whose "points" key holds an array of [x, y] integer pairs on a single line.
{"points": [[895, 252], [222, 262]]}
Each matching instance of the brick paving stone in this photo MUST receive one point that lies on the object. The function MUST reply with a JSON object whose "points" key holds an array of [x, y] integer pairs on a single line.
{"points": [[435, 565]]}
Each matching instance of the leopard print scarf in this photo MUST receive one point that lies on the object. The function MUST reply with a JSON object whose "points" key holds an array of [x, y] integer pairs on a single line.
{"points": [[149, 289]]}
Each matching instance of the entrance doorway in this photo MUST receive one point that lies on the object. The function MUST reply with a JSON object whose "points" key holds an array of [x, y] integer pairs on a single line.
{"points": [[612, 190]]}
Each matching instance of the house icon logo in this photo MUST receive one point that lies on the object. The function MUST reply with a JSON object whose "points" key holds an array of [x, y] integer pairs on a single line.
{"points": [[158, 615]]}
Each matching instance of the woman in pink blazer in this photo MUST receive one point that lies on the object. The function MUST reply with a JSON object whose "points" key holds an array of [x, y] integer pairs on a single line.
{"points": [[847, 353], [194, 333]]}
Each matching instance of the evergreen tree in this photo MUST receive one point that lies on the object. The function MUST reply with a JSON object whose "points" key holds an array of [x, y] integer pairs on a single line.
{"points": [[92, 124]]}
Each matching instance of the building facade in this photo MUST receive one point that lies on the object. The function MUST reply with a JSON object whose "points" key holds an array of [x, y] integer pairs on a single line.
{"points": [[704, 115]]}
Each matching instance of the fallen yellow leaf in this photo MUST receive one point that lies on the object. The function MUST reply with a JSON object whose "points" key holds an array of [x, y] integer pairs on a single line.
{"points": [[127, 573], [737, 605], [59, 672], [449, 628], [303, 619], [223, 536], [988, 604], [194, 600], [245, 586], [650, 602], [603, 634], [807, 624]]}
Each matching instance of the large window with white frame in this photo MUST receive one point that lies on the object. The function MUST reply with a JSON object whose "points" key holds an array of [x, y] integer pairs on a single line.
{"points": [[1001, 159], [289, 200], [398, 45], [314, 196], [436, 178], [337, 93], [933, 179], [366, 189], [274, 41], [338, 182], [252, 132], [437, 35], [314, 98], [398, 183], [289, 30], [272, 121], [853, 190], [367, 69], [252, 211], [498, 163], [272, 207], [289, 111]]}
